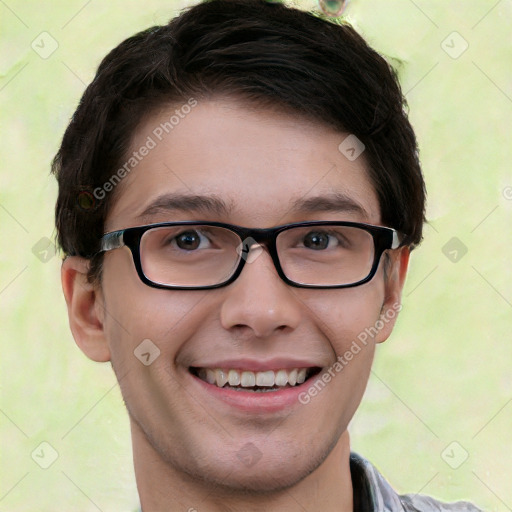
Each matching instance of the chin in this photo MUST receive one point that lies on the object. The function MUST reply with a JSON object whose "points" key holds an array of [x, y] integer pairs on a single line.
{"points": [[249, 471], [262, 478]]}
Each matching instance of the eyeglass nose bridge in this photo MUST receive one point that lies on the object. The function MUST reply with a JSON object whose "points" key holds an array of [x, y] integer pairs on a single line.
{"points": [[254, 242]]}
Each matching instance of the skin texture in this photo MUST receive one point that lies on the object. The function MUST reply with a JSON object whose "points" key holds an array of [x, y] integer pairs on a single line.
{"points": [[186, 443]]}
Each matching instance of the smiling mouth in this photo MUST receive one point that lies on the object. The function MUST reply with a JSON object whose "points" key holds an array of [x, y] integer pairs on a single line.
{"points": [[245, 380]]}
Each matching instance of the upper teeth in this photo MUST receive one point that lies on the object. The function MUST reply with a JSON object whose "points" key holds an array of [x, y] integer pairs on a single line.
{"points": [[248, 379]]}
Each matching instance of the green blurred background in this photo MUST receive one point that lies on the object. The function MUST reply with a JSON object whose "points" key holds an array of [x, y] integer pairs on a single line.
{"points": [[437, 414]]}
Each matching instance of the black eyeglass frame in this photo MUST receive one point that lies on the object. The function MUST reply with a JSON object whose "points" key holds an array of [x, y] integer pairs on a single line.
{"points": [[384, 238]]}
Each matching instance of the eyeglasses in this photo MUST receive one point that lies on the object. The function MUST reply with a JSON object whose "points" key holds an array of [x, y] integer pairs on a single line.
{"points": [[194, 255]]}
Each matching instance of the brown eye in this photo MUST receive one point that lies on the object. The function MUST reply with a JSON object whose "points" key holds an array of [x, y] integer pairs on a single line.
{"points": [[189, 240], [316, 240]]}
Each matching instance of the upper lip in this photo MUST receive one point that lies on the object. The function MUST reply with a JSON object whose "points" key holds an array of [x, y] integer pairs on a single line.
{"points": [[258, 365]]}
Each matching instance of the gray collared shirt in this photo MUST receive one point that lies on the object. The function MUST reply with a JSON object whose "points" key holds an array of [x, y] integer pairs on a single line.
{"points": [[373, 494]]}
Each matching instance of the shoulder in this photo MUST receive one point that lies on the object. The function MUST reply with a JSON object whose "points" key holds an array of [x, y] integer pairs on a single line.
{"points": [[374, 493], [419, 503]]}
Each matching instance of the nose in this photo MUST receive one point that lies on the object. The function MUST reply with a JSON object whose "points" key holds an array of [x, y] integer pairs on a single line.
{"points": [[259, 300]]}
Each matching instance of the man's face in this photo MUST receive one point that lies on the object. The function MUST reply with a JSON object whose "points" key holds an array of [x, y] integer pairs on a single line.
{"points": [[260, 164]]}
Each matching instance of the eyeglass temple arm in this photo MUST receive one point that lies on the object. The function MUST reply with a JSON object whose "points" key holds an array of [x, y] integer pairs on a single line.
{"points": [[397, 239], [112, 241]]}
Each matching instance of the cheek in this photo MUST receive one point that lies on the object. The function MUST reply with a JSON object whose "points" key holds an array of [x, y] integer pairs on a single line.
{"points": [[136, 313], [146, 327], [345, 318], [348, 315]]}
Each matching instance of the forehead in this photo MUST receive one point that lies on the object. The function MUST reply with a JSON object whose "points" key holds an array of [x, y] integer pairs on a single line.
{"points": [[223, 160]]}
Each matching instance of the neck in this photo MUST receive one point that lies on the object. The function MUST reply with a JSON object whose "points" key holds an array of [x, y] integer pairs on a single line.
{"points": [[162, 487]]}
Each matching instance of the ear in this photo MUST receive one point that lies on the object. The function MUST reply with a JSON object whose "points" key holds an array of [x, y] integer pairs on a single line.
{"points": [[395, 275], [85, 309]]}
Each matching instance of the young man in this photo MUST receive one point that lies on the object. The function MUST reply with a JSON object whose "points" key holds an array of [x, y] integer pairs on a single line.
{"points": [[238, 195]]}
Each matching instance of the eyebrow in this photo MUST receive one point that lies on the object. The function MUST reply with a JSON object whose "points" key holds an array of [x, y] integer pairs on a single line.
{"points": [[333, 202], [168, 203], [172, 202]]}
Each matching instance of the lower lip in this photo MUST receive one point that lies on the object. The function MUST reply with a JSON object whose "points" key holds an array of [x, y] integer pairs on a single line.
{"points": [[254, 402]]}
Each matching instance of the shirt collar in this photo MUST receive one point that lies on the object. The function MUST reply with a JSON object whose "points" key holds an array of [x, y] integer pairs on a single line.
{"points": [[371, 491]]}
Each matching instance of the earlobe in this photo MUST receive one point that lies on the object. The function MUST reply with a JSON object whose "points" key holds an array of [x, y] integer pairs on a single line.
{"points": [[395, 281], [85, 309]]}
